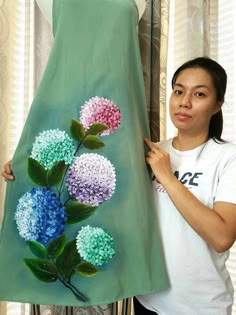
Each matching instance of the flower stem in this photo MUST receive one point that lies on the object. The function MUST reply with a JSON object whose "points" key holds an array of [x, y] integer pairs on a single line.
{"points": [[67, 201], [73, 289], [62, 182], [79, 145], [63, 179]]}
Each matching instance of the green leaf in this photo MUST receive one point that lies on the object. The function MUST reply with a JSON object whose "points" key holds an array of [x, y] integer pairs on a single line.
{"points": [[68, 260], [96, 129], [56, 247], [42, 269], [93, 143], [56, 173], [37, 172], [77, 130], [77, 212], [86, 269], [38, 249]]}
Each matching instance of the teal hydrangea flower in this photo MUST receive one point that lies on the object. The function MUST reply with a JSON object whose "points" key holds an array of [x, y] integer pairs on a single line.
{"points": [[95, 245], [52, 146]]}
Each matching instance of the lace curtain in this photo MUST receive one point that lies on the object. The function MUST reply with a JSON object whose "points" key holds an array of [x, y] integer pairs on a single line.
{"points": [[25, 43]]}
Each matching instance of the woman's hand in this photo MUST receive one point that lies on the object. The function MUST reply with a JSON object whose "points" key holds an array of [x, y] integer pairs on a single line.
{"points": [[159, 161], [7, 172]]}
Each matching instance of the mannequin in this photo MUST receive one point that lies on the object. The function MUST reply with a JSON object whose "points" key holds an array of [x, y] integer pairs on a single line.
{"points": [[46, 8]]}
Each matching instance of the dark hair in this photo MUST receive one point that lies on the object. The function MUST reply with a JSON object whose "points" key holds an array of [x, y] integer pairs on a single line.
{"points": [[219, 79]]}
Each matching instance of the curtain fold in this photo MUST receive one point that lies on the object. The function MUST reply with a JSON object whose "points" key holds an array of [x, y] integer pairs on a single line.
{"points": [[25, 44], [153, 35]]}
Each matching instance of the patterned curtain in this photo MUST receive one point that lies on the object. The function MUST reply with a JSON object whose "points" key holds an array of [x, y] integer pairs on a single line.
{"points": [[153, 29], [5, 48], [153, 35]]}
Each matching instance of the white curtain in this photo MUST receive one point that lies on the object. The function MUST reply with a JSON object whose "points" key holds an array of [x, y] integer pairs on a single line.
{"points": [[23, 56], [205, 27]]}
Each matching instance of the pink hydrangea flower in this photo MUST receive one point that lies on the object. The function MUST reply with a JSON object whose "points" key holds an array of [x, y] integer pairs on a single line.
{"points": [[100, 110]]}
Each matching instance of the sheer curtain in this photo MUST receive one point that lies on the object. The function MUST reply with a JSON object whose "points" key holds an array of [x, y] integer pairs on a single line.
{"points": [[21, 67], [204, 27]]}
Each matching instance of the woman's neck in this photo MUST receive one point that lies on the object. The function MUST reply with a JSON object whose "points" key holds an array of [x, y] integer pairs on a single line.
{"points": [[183, 142], [46, 8]]}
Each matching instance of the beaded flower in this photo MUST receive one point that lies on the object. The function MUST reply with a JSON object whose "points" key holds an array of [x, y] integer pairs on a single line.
{"points": [[95, 245], [51, 146], [100, 110], [91, 179], [40, 216]]}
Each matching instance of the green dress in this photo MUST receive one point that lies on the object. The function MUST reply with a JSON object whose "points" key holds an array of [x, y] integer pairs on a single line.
{"points": [[95, 58]]}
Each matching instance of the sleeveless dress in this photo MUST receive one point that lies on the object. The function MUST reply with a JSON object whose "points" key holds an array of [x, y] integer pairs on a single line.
{"points": [[87, 124]]}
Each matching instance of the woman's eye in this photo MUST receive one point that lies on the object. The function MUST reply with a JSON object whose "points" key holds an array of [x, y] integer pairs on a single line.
{"points": [[199, 94], [178, 92]]}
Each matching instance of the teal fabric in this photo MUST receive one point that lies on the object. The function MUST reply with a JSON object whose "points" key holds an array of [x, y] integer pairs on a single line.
{"points": [[95, 53]]}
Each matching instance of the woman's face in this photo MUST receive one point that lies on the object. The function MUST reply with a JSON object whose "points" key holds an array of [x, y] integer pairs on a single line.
{"points": [[193, 101]]}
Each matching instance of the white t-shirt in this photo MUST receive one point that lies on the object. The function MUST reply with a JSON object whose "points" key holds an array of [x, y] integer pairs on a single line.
{"points": [[199, 281]]}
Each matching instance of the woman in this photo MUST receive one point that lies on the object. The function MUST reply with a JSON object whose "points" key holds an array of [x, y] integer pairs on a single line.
{"points": [[194, 189], [194, 186]]}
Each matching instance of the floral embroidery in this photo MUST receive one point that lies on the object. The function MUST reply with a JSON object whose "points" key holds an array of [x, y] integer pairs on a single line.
{"points": [[71, 187]]}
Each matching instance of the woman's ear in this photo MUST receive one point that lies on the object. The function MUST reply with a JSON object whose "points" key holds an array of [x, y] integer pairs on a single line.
{"points": [[218, 106]]}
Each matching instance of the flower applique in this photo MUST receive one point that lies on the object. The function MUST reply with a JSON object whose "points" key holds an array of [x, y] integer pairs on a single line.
{"points": [[70, 188]]}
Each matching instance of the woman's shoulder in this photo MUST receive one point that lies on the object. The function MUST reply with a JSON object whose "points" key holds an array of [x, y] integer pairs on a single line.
{"points": [[221, 150], [222, 146]]}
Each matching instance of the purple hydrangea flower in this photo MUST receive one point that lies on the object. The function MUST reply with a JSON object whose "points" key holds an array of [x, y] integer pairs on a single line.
{"points": [[100, 110], [91, 179], [95, 245], [40, 216], [52, 146]]}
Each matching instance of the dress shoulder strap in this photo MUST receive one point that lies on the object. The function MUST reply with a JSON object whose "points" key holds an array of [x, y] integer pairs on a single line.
{"points": [[56, 9]]}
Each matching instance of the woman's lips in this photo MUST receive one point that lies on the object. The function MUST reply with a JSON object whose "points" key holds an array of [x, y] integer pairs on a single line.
{"points": [[182, 116]]}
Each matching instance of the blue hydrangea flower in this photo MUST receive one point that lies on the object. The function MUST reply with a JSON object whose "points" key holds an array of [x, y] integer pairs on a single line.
{"points": [[95, 245], [91, 179], [51, 146], [40, 216]]}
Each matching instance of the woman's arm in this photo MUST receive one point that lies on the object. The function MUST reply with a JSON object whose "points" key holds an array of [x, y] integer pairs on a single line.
{"points": [[218, 227]]}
